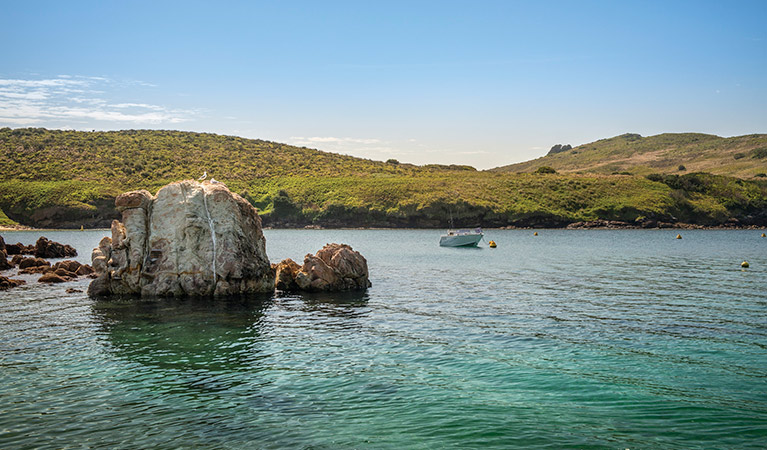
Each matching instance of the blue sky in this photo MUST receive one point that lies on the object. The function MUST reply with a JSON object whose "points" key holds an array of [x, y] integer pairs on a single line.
{"points": [[479, 83]]}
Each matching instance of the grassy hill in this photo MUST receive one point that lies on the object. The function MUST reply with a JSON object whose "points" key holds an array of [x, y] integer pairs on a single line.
{"points": [[741, 156], [68, 178]]}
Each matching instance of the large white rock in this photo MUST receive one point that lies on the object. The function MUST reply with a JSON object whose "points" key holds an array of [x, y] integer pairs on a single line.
{"points": [[191, 239]]}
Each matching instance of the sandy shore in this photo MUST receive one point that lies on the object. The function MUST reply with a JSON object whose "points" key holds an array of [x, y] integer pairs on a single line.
{"points": [[16, 228]]}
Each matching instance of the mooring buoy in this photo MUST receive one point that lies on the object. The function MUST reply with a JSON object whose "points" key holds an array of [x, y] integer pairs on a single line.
{"points": [[744, 264], [679, 236]]}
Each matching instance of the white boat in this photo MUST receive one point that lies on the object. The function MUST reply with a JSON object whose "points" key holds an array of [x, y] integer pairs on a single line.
{"points": [[461, 238]]}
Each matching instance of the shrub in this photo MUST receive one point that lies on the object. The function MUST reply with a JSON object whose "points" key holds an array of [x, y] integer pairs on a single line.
{"points": [[759, 153], [545, 169], [681, 167], [739, 156]]}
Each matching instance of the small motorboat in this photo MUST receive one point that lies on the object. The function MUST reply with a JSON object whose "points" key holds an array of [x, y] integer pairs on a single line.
{"points": [[461, 238]]}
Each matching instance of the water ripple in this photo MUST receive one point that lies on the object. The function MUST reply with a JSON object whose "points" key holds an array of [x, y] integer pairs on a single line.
{"points": [[619, 339]]}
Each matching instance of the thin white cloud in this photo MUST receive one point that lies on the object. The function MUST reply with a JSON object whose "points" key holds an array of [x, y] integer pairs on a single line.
{"points": [[475, 152], [78, 99], [373, 148], [42, 83], [332, 140], [18, 94], [138, 105]]}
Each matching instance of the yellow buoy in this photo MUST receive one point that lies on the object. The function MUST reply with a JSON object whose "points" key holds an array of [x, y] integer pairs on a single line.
{"points": [[81, 228], [744, 264], [764, 235], [492, 244], [535, 234], [679, 236]]}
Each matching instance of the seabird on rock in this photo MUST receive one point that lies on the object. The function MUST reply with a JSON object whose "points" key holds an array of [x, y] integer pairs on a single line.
{"points": [[204, 176], [214, 181]]}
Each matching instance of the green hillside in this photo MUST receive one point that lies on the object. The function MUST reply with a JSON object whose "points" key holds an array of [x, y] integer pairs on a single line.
{"points": [[677, 153], [68, 178]]}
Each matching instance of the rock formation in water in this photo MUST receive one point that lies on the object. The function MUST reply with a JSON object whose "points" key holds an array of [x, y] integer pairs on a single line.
{"points": [[19, 249], [33, 265], [335, 267], [45, 248], [4, 264], [65, 271], [191, 239], [7, 283]]}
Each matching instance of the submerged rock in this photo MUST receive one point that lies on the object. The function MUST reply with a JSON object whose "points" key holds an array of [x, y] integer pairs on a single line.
{"points": [[52, 277], [192, 239], [335, 267]]}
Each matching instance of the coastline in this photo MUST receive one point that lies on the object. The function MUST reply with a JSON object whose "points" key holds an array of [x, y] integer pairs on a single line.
{"points": [[679, 226]]}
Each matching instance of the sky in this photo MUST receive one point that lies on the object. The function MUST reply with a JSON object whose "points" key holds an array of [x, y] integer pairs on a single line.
{"points": [[483, 83]]}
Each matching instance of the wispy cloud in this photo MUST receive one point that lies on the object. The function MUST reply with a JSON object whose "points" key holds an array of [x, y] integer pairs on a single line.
{"points": [[373, 148], [331, 140], [78, 99]]}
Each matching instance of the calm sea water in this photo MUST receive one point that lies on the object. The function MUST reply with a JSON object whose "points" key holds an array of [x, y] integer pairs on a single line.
{"points": [[569, 339]]}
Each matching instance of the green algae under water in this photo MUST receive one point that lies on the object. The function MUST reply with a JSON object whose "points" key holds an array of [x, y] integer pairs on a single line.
{"points": [[568, 339]]}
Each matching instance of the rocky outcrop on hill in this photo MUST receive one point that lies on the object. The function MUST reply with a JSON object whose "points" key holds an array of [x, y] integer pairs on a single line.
{"points": [[335, 267], [191, 239]]}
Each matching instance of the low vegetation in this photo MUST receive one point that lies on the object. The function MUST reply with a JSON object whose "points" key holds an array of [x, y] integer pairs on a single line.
{"points": [[68, 178]]}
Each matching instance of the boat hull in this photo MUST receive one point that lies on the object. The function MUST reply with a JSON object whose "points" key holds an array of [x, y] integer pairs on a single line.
{"points": [[460, 240]]}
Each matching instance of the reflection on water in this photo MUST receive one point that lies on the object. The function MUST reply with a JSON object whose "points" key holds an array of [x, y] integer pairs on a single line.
{"points": [[183, 334]]}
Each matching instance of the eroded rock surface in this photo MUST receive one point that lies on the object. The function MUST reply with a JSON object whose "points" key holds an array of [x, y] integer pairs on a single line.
{"points": [[45, 248], [192, 239], [19, 249], [335, 267]]}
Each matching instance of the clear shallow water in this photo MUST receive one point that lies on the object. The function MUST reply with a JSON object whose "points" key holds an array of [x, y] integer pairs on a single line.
{"points": [[571, 339]]}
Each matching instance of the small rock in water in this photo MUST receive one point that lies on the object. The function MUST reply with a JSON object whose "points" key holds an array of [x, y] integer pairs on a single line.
{"points": [[335, 267], [52, 277], [45, 248], [7, 283]]}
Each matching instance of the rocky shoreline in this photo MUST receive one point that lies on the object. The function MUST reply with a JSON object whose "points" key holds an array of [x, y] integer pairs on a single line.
{"points": [[35, 262], [583, 225]]}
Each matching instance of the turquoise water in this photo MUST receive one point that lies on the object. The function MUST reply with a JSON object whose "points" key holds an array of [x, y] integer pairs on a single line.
{"points": [[570, 339]]}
